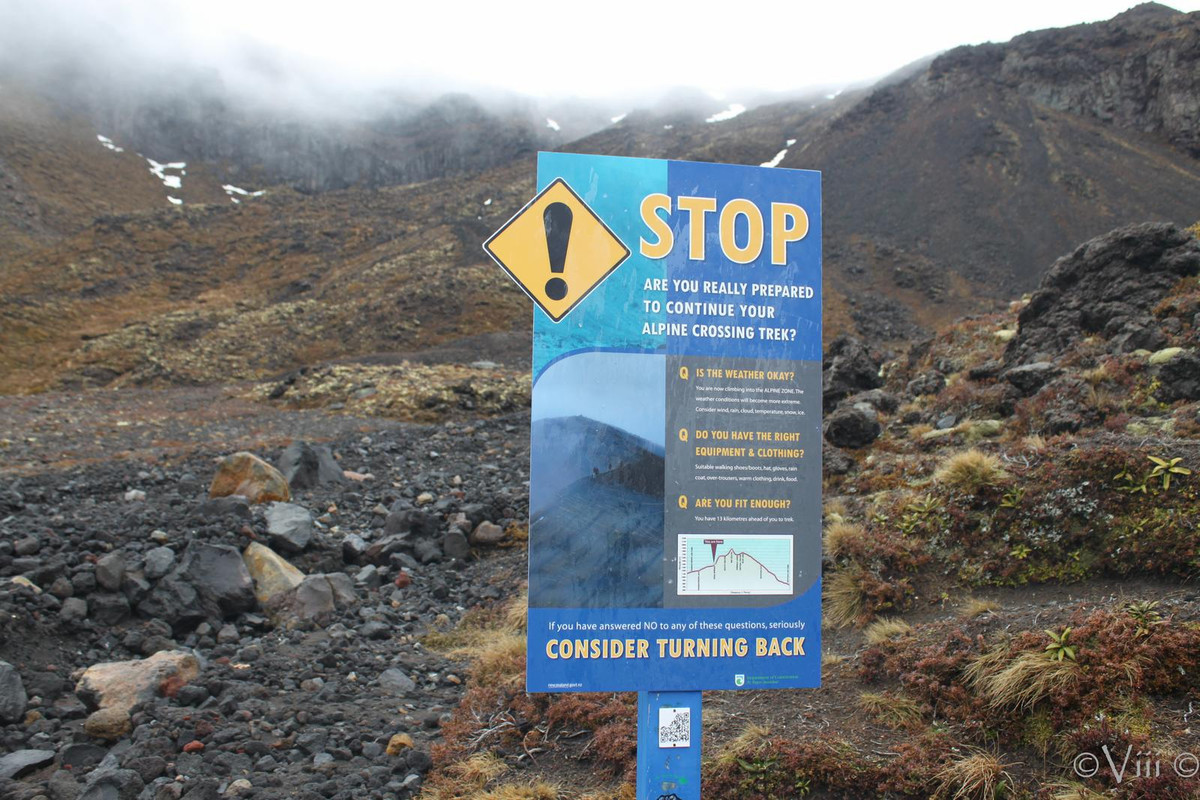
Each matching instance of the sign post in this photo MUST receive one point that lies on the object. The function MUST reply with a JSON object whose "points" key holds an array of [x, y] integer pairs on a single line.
{"points": [[675, 476]]}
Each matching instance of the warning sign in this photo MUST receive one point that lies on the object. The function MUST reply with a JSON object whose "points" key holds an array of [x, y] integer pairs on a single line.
{"points": [[557, 249]]}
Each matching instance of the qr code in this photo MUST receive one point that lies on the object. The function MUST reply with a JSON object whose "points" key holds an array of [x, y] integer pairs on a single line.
{"points": [[675, 727]]}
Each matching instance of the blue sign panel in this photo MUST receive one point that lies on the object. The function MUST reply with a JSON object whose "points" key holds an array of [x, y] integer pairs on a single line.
{"points": [[675, 487]]}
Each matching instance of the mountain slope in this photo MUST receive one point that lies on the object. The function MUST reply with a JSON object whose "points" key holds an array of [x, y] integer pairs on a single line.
{"points": [[949, 187]]}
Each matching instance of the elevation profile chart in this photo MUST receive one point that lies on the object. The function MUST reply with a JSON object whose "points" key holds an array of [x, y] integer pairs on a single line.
{"points": [[733, 564]]}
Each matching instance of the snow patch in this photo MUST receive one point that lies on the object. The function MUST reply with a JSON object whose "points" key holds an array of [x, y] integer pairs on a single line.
{"points": [[175, 201], [552, 125], [231, 190], [487, 202], [619, 117], [791, 142], [160, 172], [668, 127], [774, 162], [721, 116], [107, 142]]}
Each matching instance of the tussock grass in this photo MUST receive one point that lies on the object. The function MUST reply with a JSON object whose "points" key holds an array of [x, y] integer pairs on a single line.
{"points": [[977, 607], [896, 711], [537, 791], [516, 614], [882, 630], [500, 662], [492, 640], [841, 536], [625, 791], [832, 659], [836, 510], [469, 778], [479, 769], [975, 430], [1035, 443], [1075, 791], [844, 596], [749, 742], [1018, 681], [917, 432], [1095, 376], [970, 470], [978, 776], [479, 626]]}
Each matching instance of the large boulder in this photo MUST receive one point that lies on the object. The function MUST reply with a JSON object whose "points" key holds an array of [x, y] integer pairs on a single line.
{"points": [[1179, 377], [289, 527], [220, 578], [410, 520], [306, 466], [12, 694], [124, 684], [853, 426], [848, 369], [1028, 378], [247, 475], [1108, 286], [272, 574], [113, 784], [19, 762], [314, 600], [176, 602]]}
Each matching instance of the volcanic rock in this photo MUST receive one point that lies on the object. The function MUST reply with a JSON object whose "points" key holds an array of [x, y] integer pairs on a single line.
{"points": [[17, 763], [487, 533], [108, 608], [853, 426], [1179, 378], [108, 724], [289, 526], [1028, 378], [273, 575], [834, 461], [410, 520], [220, 578], [394, 681], [247, 475], [848, 368], [455, 545], [110, 570], [306, 466], [120, 685], [112, 784], [926, 383], [73, 609], [12, 694], [175, 601], [80, 755], [27, 546], [158, 562], [881, 401], [219, 507], [1108, 285], [311, 601]]}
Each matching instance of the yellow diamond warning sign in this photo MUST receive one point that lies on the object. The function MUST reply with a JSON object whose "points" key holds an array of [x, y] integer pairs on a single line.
{"points": [[557, 249]]}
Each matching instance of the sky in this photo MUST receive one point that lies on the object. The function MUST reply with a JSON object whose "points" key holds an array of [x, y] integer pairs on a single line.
{"points": [[534, 47]]}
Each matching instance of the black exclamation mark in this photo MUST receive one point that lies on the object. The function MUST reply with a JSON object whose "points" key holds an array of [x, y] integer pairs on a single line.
{"points": [[557, 219]]}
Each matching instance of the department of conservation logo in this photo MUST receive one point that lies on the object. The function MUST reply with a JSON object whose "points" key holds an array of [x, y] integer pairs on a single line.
{"points": [[739, 680]]}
